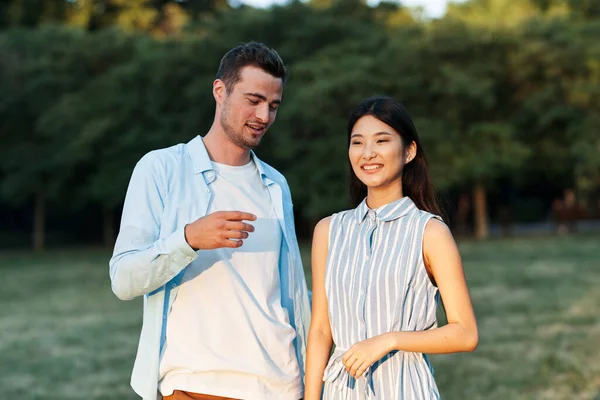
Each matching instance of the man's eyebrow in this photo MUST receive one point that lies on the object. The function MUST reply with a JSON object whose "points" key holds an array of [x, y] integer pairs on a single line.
{"points": [[262, 97]]}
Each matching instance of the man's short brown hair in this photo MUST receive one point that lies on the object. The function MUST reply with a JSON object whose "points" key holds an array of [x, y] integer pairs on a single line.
{"points": [[250, 54]]}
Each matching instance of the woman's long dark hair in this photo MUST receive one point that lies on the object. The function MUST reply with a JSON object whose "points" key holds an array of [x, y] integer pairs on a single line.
{"points": [[416, 180]]}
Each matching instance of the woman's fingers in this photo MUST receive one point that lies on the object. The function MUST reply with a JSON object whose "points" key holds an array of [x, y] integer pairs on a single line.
{"points": [[350, 361], [361, 370], [356, 367]]}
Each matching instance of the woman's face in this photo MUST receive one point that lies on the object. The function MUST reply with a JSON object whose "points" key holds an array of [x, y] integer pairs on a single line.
{"points": [[377, 154]]}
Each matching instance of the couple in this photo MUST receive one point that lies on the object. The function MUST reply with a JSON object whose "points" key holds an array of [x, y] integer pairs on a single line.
{"points": [[207, 237]]}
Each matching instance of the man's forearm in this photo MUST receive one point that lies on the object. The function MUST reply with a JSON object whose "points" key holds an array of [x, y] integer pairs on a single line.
{"points": [[136, 271]]}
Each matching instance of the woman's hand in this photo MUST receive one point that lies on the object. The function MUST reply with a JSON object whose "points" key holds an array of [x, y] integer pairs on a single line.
{"points": [[363, 354]]}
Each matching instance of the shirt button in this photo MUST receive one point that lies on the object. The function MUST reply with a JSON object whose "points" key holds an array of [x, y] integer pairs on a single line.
{"points": [[207, 190], [188, 259], [210, 174]]}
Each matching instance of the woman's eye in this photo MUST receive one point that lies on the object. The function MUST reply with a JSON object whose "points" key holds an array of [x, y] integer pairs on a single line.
{"points": [[382, 141], [355, 143]]}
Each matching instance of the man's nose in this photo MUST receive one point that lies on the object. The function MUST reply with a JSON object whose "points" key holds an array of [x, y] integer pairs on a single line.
{"points": [[262, 112]]}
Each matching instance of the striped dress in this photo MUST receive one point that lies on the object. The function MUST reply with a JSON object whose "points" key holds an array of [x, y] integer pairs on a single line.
{"points": [[376, 283]]}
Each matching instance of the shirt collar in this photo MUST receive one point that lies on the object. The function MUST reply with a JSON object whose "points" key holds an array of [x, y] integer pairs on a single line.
{"points": [[200, 159], [202, 162], [387, 212], [266, 178]]}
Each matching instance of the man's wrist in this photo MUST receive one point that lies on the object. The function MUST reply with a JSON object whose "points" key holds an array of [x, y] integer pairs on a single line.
{"points": [[185, 237]]}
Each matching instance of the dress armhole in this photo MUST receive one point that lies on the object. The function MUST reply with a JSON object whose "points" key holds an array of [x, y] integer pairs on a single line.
{"points": [[428, 217]]}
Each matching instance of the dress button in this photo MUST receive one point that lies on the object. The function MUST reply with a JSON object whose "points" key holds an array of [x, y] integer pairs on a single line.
{"points": [[207, 190]]}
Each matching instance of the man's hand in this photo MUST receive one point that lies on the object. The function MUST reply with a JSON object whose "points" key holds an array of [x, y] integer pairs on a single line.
{"points": [[219, 229]]}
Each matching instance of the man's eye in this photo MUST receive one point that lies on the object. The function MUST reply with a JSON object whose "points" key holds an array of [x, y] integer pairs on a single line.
{"points": [[254, 102], [273, 108]]}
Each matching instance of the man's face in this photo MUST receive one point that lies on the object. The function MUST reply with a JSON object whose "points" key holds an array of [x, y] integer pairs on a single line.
{"points": [[249, 109]]}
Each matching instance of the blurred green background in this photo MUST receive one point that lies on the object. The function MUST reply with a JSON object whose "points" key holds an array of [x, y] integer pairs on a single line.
{"points": [[504, 93]]}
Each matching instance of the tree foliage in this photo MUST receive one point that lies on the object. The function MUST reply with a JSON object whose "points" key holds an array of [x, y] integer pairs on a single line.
{"points": [[513, 98]]}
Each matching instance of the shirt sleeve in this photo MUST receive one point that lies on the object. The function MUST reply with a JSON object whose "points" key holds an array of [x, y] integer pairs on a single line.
{"points": [[142, 261]]}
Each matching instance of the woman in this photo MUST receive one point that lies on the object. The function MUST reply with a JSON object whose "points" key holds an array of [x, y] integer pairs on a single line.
{"points": [[378, 270]]}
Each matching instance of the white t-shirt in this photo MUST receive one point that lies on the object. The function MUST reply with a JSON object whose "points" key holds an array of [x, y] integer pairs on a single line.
{"points": [[227, 333]]}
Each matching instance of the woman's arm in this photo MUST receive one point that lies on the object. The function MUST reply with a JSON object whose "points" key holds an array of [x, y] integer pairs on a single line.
{"points": [[443, 261], [319, 335]]}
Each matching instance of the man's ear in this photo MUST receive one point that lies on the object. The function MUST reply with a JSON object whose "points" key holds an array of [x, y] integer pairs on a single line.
{"points": [[219, 91]]}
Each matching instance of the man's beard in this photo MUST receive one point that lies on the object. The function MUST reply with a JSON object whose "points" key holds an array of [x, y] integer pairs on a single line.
{"points": [[237, 137]]}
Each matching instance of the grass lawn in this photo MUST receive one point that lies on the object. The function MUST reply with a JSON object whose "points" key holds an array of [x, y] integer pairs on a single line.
{"points": [[64, 335]]}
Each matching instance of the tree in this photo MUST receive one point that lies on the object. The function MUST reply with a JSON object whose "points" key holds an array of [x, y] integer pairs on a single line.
{"points": [[463, 104], [42, 66], [544, 69], [584, 94], [161, 96], [31, 13], [501, 14]]}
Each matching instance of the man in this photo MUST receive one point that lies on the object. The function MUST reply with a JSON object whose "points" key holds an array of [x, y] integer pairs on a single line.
{"points": [[207, 237]]}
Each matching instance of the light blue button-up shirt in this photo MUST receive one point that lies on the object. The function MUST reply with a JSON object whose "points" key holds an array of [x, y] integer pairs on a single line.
{"points": [[170, 188]]}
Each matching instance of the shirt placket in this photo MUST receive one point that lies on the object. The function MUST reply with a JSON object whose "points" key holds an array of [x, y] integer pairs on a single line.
{"points": [[373, 222]]}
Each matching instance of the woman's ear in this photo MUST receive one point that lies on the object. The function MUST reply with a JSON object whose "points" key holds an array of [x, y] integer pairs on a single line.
{"points": [[411, 152]]}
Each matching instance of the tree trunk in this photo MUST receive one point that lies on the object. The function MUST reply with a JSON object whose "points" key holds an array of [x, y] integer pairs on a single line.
{"points": [[108, 226], [482, 229], [462, 214], [39, 220]]}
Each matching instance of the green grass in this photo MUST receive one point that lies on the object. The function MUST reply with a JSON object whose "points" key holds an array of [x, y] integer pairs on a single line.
{"points": [[64, 335]]}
